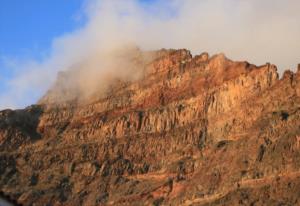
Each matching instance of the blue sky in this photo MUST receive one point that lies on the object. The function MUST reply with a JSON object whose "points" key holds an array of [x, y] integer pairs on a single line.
{"points": [[27, 30], [28, 27]]}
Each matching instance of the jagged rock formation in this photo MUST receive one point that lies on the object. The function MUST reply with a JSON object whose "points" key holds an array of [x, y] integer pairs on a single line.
{"points": [[193, 131]]}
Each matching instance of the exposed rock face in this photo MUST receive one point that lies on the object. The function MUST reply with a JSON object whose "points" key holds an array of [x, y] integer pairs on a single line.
{"points": [[193, 131]]}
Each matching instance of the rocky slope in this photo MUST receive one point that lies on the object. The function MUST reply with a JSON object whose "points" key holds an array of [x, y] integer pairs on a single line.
{"points": [[192, 131]]}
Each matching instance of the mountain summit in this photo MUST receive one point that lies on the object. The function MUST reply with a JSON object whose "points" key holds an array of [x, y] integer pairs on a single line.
{"points": [[184, 131]]}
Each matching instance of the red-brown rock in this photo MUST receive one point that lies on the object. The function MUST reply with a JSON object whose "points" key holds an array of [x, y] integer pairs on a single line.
{"points": [[193, 131]]}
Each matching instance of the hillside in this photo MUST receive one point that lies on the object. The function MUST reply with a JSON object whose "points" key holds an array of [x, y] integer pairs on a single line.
{"points": [[190, 131]]}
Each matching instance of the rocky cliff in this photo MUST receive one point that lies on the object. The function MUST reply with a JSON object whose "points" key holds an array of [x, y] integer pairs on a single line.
{"points": [[191, 131]]}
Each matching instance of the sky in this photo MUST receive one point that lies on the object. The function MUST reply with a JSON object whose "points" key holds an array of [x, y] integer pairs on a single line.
{"points": [[40, 38], [27, 29]]}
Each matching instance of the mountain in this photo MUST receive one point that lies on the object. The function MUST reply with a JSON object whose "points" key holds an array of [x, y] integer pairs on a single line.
{"points": [[189, 131]]}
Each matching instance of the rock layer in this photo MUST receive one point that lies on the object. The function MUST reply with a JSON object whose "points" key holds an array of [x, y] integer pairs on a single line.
{"points": [[192, 131]]}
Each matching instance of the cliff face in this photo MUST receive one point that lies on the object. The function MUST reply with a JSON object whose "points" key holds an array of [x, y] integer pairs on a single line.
{"points": [[192, 131]]}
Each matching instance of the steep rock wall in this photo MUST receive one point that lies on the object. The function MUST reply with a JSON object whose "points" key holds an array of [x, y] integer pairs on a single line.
{"points": [[190, 131]]}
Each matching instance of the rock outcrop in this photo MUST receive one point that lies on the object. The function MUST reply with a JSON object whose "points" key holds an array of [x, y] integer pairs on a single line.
{"points": [[192, 131]]}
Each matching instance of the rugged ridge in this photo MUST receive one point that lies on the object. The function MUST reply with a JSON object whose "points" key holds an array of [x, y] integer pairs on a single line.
{"points": [[192, 131]]}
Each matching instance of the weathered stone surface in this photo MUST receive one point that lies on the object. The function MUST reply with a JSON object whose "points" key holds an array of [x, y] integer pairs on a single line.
{"points": [[193, 131]]}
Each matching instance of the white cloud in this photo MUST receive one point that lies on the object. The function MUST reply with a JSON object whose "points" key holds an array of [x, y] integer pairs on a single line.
{"points": [[257, 31]]}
